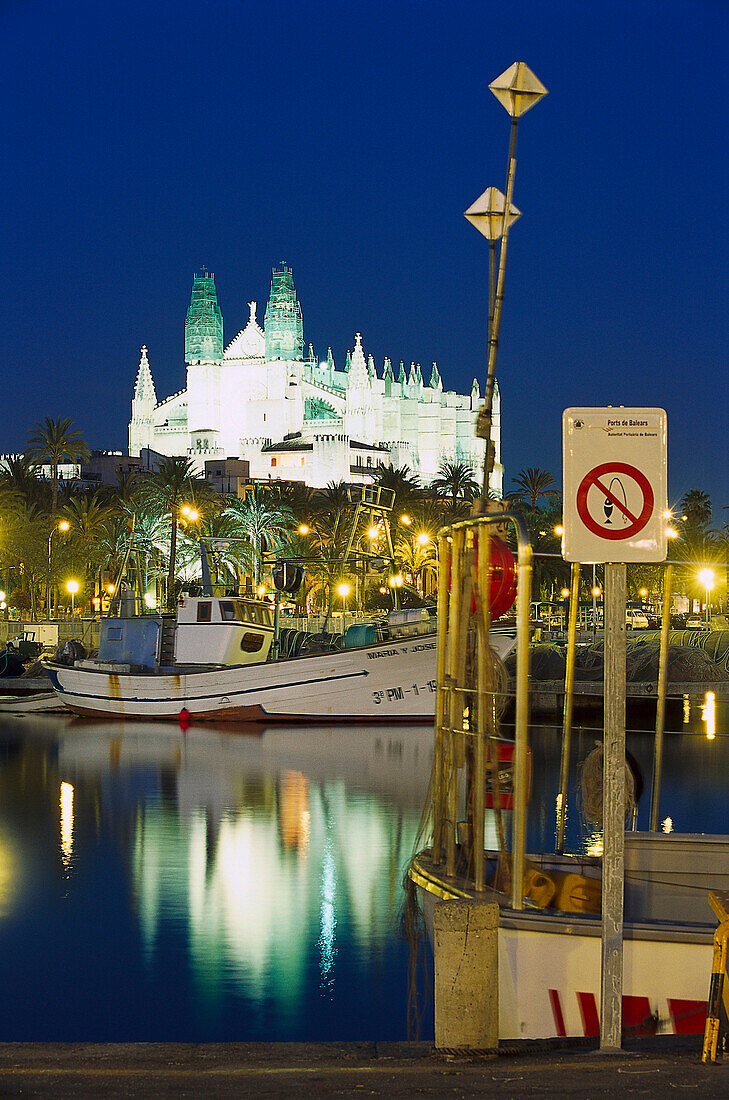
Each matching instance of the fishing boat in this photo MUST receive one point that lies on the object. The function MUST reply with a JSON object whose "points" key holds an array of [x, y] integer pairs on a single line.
{"points": [[549, 946], [212, 661]]}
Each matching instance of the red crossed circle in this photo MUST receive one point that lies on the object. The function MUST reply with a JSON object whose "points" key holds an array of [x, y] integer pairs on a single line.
{"points": [[637, 523]]}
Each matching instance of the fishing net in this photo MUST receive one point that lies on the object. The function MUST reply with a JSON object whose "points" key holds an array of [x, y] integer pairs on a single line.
{"points": [[591, 782]]}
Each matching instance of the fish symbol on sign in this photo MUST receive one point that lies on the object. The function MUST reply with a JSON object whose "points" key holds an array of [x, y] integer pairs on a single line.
{"points": [[618, 489]]}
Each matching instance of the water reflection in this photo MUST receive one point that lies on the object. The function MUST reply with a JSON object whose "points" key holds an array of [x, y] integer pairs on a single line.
{"points": [[66, 807], [217, 885], [249, 881]]}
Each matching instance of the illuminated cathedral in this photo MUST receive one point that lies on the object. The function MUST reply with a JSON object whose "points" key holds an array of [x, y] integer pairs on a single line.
{"points": [[268, 399]]}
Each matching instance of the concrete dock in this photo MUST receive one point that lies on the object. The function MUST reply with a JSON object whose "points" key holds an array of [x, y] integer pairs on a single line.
{"points": [[658, 1067]]}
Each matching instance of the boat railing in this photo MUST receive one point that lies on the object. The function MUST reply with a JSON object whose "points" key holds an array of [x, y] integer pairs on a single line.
{"points": [[465, 750]]}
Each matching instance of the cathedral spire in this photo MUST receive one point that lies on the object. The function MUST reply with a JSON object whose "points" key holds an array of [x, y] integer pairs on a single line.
{"points": [[371, 368], [387, 372], [348, 362], [401, 374], [284, 322], [204, 322], [144, 386], [330, 360], [435, 379], [358, 373]]}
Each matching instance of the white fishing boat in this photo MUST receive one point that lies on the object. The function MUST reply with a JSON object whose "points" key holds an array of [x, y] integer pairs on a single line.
{"points": [[213, 661], [549, 954], [547, 964]]}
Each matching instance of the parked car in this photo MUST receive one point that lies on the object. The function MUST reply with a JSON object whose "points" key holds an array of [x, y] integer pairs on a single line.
{"points": [[636, 619], [694, 622]]}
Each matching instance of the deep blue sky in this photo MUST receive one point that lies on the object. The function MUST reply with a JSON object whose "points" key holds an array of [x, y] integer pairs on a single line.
{"points": [[142, 140]]}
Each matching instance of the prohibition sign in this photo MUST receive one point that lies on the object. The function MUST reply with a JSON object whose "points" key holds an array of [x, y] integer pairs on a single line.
{"points": [[596, 478]]}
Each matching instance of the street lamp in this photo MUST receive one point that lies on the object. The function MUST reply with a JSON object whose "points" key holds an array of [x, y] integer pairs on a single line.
{"points": [[303, 529], [63, 525], [72, 587], [706, 576], [517, 90], [344, 591]]}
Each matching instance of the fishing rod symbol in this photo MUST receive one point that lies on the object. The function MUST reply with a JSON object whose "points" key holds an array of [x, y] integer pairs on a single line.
{"points": [[617, 488]]}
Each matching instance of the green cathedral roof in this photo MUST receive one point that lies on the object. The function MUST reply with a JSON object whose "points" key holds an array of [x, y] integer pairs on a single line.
{"points": [[204, 322], [284, 322]]}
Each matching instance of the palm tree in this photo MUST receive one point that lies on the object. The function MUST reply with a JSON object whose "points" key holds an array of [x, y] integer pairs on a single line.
{"points": [[696, 506], [260, 519], [403, 482], [166, 489], [534, 483], [20, 484], [54, 442], [90, 519], [455, 480]]}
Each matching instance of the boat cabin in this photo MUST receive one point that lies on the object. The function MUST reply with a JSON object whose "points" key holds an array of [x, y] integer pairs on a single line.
{"points": [[223, 630], [207, 630]]}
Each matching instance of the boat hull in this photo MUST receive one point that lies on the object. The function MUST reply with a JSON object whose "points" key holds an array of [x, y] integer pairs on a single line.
{"points": [[549, 971], [392, 681]]}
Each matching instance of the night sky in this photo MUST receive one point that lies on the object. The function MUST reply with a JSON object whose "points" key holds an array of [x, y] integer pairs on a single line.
{"points": [[143, 140]]}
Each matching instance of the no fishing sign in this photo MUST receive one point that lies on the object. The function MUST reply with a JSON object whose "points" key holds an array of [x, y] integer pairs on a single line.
{"points": [[615, 484]]}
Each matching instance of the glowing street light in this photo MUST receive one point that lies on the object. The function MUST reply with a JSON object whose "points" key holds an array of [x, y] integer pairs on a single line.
{"points": [[423, 538], [373, 532], [405, 518], [303, 529], [706, 576], [344, 590], [63, 526]]}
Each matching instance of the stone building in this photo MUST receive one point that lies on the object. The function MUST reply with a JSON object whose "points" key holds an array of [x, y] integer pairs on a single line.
{"points": [[267, 399]]}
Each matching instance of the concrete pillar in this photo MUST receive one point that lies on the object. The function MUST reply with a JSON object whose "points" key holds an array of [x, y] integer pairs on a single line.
{"points": [[466, 989]]}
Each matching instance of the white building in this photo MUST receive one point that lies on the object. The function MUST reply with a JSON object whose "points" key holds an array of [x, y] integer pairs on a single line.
{"points": [[292, 416]]}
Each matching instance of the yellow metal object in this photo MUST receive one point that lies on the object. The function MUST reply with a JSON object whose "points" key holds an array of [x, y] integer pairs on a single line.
{"points": [[717, 1014]]}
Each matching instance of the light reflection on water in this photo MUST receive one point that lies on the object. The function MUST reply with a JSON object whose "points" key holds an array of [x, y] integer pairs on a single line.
{"points": [[209, 885], [220, 885]]}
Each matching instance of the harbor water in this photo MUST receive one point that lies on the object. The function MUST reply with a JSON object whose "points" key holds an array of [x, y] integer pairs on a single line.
{"points": [[224, 885]]}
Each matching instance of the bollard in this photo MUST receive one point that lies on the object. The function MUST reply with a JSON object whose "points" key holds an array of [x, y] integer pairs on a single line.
{"points": [[717, 1013], [466, 987]]}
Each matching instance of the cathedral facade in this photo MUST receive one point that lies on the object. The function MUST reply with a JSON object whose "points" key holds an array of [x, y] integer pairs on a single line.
{"points": [[269, 400]]}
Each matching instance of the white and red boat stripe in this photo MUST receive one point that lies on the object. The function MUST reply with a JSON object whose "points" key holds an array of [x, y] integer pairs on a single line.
{"points": [[686, 1017]]}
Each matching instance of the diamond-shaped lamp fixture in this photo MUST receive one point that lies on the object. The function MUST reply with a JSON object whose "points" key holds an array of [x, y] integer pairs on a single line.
{"points": [[487, 213], [518, 89]]}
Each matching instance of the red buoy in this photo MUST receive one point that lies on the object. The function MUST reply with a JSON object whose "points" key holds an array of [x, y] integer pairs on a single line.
{"points": [[184, 718], [502, 578]]}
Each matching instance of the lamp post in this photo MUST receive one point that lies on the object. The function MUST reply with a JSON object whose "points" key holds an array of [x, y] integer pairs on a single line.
{"points": [[517, 89], [63, 525], [72, 587], [706, 576], [344, 591]]}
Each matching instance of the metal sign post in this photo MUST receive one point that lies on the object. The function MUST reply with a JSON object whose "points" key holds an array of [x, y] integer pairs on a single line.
{"points": [[613, 812], [615, 492]]}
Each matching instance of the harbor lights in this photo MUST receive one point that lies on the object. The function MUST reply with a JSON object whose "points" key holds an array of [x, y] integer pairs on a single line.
{"points": [[706, 576], [72, 587], [517, 90], [343, 590]]}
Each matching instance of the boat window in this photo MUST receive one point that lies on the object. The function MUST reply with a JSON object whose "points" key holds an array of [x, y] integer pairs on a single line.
{"points": [[227, 611], [251, 643], [203, 612]]}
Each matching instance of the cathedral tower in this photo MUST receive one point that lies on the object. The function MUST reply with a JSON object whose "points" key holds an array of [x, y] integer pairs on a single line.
{"points": [[203, 355], [283, 322], [141, 426]]}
